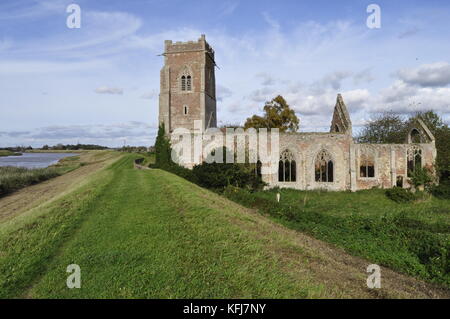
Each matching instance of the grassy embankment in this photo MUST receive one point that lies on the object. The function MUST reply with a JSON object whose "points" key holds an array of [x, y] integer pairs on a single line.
{"points": [[151, 234], [8, 153], [412, 238], [15, 178]]}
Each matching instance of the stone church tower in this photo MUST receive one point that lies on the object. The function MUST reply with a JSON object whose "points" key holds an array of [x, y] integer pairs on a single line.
{"points": [[188, 85]]}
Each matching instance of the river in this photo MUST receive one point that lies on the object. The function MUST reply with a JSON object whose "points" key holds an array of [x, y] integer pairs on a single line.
{"points": [[33, 160]]}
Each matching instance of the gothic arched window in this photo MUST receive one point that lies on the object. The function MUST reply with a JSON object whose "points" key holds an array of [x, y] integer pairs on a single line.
{"points": [[188, 83], [183, 83], [287, 167], [367, 165], [415, 136], [414, 158], [324, 167]]}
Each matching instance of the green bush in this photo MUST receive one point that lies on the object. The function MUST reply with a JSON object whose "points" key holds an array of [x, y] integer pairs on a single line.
{"points": [[441, 191], [400, 195], [421, 176], [220, 175]]}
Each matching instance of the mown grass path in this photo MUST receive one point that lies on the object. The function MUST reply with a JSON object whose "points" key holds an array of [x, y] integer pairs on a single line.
{"points": [[150, 234]]}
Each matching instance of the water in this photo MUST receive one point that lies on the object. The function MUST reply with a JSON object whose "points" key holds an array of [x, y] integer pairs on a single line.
{"points": [[33, 160]]}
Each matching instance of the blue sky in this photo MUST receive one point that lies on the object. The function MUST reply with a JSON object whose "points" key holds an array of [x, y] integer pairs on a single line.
{"points": [[100, 83]]}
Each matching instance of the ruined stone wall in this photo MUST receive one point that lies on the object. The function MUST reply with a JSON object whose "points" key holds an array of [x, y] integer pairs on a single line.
{"points": [[391, 162], [305, 148]]}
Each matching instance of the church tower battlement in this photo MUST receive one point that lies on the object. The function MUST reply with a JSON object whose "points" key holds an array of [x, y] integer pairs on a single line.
{"points": [[188, 85]]}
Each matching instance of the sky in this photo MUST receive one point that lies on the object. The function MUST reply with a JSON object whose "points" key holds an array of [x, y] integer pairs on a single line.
{"points": [[100, 83]]}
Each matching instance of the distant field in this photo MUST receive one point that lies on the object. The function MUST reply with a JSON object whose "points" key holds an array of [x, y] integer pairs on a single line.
{"points": [[150, 234], [412, 238], [9, 153]]}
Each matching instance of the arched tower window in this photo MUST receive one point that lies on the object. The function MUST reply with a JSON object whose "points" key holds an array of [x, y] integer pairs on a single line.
{"points": [[188, 83], [183, 83], [367, 164], [287, 167], [414, 158], [324, 167]]}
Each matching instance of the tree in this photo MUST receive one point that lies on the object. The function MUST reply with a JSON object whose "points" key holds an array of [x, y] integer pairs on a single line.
{"points": [[386, 128], [162, 149], [277, 114]]}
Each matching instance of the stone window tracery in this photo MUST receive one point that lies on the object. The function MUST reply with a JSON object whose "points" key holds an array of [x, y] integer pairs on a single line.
{"points": [[287, 167], [366, 164], [414, 159], [324, 167]]}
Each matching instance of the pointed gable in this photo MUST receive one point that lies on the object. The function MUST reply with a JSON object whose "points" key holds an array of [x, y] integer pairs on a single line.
{"points": [[341, 122], [422, 132]]}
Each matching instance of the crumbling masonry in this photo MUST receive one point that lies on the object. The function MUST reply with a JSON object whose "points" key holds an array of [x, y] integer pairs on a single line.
{"points": [[332, 161]]}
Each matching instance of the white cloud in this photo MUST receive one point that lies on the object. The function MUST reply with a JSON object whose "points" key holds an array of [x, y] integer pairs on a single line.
{"points": [[133, 132], [364, 76], [427, 75], [409, 33], [48, 67], [266, 79], [228, 7], [261, 95], [150, 95], [223, 92], [20, 9], [334, 79], [108, 90]]}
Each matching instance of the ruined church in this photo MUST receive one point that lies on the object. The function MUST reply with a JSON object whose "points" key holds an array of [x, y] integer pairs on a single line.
{"points": [[307, 160]]}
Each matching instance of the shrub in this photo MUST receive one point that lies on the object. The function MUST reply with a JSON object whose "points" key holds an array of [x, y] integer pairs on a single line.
{"points": [[441, 191], [421, 176], [220, 175], [400, 195]]}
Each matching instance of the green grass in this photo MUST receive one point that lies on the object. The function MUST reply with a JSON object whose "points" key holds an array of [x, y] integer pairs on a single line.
{"points": [[412, 238], [14, 178], [9, 153], [139, 234]]}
